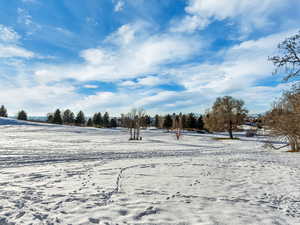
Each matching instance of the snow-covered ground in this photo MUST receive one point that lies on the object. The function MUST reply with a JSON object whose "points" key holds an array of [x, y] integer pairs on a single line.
{"points": [[69, 175]]}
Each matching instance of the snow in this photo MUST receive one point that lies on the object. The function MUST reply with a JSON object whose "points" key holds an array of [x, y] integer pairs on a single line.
{"points": [[53, 174]]}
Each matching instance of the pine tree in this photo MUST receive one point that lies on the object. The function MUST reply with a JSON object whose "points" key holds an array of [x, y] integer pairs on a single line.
{"points": [[97, 120], [184, 121], [68, 117], [80, 119], [191, 121], [57, 117], [3, 111], [113, 123], [147, 121], [106, 119], [200, 123], [50, 117], [22, 115], [168, 122], [90, 123], [156, 123]]}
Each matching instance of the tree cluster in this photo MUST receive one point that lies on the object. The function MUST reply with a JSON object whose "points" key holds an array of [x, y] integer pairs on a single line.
{"points": [[134, 120], [67, 117], [184, 121]]}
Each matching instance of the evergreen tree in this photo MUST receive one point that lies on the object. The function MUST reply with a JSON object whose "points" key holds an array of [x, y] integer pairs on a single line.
{"points": [[200, 123], [97, 120], [90, 123], [57, 117], [80, 119], [113, 123], [147, 120], [184, 121], [156, 122], [3, 111], [106, 119], [191, 121], [50, 117], [168, 122], [22, 115], [68, 117]]}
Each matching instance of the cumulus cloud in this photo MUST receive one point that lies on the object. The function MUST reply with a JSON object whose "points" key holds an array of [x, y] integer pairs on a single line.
{"points": [[249, 14], [139, 57], [129, 57], [241, 67]]}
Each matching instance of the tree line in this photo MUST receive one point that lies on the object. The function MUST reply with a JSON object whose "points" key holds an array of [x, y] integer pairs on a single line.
{"points": [[67, 117]]}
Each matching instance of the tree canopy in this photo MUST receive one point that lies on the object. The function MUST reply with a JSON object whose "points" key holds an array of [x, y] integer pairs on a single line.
{"points": [[226, 114]]}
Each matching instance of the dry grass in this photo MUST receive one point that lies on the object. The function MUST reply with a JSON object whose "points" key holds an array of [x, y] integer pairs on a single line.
{"points": [[293, 151]]}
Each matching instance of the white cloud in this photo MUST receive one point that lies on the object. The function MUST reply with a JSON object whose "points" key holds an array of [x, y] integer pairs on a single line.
{"points": [[124, 35], [119, 6], [91, 86], [25, 19], [9, 44], [14, 51], [248, 14], [243, 65], [7, 34], [129, 57], [35, 99]]}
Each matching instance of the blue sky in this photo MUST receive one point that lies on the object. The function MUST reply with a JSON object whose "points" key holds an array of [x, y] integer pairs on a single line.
{"points": [[162, 55]]}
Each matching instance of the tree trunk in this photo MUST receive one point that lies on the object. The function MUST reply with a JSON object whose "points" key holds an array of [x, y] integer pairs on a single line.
{"points": [[230, 130], [130, 131], [138, 132], [134, 131], [294, 144]]}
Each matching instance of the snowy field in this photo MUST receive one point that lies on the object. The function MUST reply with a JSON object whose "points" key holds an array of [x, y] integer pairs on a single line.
{"points": [[69, 175]]}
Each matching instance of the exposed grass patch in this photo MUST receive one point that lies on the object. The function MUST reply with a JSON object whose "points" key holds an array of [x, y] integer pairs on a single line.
{"points": [[293, 151], [224, 139]]}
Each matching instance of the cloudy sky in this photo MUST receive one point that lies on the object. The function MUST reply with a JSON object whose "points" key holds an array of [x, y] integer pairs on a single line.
{"points": [[162, 55]]}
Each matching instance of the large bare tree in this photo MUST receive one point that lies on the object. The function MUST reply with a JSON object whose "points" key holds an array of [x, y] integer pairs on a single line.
{"points": [[226, 114], [289, 57], [284, 118]]}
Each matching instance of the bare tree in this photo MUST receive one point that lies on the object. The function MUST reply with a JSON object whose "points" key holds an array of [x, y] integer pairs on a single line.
{"points": [[177, 124], [226, 114], [284, 118], [289, 57], [140, 119], [134, 122]]}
